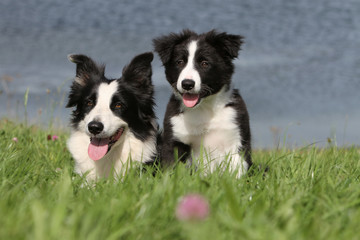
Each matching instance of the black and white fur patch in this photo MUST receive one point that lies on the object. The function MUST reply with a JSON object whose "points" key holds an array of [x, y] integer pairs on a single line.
{"points": [[113, 119], [204, 114]]}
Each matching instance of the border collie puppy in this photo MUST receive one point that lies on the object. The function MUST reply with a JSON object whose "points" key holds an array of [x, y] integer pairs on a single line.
{"points": [[113, 119], [204, 113]]}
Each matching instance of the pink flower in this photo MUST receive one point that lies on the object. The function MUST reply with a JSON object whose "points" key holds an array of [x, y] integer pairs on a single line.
{"points": [[192, 207], [15, 139], [54, 137]]}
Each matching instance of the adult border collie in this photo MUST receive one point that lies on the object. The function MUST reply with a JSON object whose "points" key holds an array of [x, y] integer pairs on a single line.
{"points": [[113, 119], [204, 114]]}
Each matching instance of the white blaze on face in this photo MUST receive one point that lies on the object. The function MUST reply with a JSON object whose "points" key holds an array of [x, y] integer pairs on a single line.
{"points": [[102, 112], [189, 72]]}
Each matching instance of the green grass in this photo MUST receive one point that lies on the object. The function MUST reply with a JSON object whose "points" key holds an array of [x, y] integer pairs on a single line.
{"points": [[308, 193]]}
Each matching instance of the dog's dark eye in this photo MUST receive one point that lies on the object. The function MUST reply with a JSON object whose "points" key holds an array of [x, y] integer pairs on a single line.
{"points": [[117, 105], [89, 103], [204, 64], [180, 63]]}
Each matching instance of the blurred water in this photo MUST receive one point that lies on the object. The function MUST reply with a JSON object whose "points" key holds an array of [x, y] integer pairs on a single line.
{"points": [[298, 70]]}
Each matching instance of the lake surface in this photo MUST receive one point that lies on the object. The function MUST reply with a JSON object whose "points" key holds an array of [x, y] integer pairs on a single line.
{"points": [[298, 71]]}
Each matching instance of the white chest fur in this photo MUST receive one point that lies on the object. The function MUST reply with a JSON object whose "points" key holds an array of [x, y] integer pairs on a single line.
{"points": [[212, 127]]}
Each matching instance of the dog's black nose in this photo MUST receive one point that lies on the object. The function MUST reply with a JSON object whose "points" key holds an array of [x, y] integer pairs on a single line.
{"points": [[95, 127], [187, 84]]}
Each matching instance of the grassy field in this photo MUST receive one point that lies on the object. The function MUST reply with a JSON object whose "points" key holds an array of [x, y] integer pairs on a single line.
{"points": [[308, 193]]}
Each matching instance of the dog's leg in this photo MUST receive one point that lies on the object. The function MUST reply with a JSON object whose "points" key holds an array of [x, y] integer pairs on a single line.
{"points": [[174, 151], [238, 164]]}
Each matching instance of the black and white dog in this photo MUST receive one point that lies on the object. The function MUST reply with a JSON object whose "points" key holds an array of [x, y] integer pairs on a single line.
{"points": [[113, 119], [204, 114]]}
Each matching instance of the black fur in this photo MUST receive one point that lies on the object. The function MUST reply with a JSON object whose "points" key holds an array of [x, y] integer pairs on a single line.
{"points": [[218, 50], [170, 145], [135, 92], [242, 121]]}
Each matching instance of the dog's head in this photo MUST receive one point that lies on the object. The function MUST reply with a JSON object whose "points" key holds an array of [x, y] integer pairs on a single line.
{"points": [[105, 109], [198, 66]]}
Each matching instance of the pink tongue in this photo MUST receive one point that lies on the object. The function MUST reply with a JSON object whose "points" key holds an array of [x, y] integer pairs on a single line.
{"points": [[190, 100], [98, 147]]}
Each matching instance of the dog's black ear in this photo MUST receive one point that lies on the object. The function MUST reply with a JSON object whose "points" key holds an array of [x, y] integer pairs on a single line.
{"points": [[139, 71], [86, 68], [137, 81], [165, 45], [228, 43]]}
